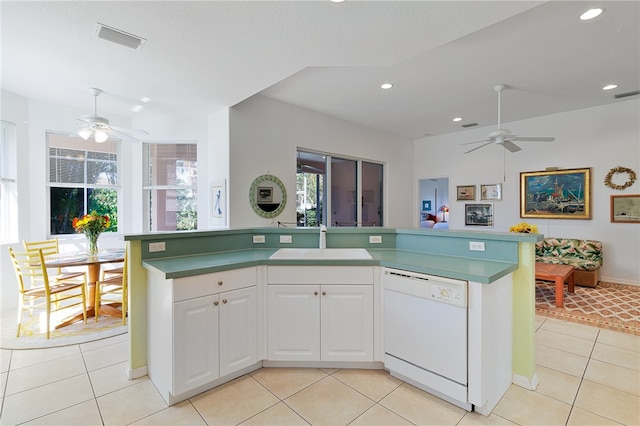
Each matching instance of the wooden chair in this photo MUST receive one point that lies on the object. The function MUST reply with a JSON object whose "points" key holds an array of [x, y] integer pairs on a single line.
{"points": [[37, 293], [105, 272], [49, 247], [115, 285]]}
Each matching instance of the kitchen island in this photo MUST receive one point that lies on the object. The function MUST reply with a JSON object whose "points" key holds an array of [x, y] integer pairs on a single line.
{"points": [[439, 253]]}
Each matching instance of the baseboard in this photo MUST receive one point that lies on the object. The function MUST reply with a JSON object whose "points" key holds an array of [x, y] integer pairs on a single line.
{"points": [[619, 281], [529, 383], [136, 373]]}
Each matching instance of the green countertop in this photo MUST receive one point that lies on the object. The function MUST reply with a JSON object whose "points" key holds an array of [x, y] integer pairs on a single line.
{"points": [[468, 269]]}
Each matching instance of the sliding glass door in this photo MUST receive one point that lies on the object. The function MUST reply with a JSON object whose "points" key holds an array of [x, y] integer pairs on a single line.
{"points": [[338, 191]]}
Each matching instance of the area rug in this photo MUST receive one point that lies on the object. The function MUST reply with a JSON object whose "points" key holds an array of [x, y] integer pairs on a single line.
{"points": [[610, 306], [32, 332]]}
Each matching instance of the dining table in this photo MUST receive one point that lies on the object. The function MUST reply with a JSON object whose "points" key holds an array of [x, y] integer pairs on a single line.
{"points": [[93, 263]]}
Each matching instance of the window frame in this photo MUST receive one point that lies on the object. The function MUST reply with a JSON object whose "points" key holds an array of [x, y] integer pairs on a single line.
{"points": [[147, 188], [8, 183], [84, 185]]}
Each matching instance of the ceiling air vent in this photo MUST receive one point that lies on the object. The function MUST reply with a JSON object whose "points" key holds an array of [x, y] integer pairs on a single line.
{"points": [[625, 95], [469, 125], [118, 36]]}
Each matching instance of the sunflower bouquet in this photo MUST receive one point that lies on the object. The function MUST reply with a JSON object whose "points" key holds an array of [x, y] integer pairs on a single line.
{"points": [[525, 228], [92, 225]]}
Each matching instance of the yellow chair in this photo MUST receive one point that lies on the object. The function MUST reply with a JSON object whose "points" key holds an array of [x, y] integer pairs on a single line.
{"points": [[49, 247], [105, 272], [37, 293], [115, 285]]}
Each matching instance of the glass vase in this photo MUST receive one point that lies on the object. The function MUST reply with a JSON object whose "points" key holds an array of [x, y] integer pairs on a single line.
{"points": [[92, 244]]}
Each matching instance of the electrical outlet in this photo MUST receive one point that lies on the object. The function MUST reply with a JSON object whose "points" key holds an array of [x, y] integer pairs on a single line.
{"points": [[258, 239], [155, 247], [375, 239], [285, 239], [476, 245]]}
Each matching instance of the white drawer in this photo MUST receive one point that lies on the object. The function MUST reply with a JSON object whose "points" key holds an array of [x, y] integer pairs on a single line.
{"points": [[320, 275], [214, 283]]}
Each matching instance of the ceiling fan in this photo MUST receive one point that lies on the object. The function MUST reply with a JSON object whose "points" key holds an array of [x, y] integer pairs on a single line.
{"points": [[99, 127], [503, 136]]}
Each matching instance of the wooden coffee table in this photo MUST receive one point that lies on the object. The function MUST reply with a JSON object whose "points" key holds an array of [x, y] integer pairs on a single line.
{"points": [[559, 274]]}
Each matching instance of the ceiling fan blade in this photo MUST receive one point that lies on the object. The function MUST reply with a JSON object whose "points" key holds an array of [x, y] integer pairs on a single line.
{"points": [[125, 130], [126, 135], [478, 147], [510, 146], [532, 139], [471, 143]]}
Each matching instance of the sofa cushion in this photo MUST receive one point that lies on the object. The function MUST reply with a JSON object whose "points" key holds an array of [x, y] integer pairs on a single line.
{"points": [[582, 254]]}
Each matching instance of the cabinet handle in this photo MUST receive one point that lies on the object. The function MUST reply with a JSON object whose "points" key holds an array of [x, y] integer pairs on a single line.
{"points": [[215, 303], [219, 282], [224, 300], [315, 293], [324, 293]]}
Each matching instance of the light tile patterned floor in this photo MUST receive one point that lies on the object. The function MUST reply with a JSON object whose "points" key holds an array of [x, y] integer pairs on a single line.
{"points": [[587, 377]]}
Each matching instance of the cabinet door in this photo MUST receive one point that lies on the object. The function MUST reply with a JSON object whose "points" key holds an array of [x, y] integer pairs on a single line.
{"points": [[195, 343], [238, 329], [293, 328], [347, 323]]}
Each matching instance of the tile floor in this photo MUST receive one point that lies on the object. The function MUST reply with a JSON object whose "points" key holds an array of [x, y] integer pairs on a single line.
{"points": [[587, 376]]}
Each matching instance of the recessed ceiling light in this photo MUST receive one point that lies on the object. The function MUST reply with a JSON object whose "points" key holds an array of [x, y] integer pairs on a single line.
{"points": [[591, 13], [337, 1], [457, 119], [144, 99], [136, 108], [386, 86], [610, 87]]}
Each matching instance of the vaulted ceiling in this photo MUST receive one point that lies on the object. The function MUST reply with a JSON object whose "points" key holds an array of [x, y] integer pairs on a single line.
{"points": [[443, 57]]}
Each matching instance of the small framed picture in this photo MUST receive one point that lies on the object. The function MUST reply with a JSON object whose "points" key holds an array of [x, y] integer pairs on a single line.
{"points": [[491, 192], [625, 208], [426, 205], [466, 193], [478, 214], [265, 194]]}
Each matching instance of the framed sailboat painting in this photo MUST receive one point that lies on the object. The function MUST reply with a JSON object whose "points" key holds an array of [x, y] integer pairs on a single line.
{"points": [[556, 194]]}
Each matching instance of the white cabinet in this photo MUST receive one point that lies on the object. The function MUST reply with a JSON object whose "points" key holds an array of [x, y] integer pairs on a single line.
{"points": [[320, 322], [346, 323], [293, 324], [202, 328], [213, 336], [238, 330], [195, 342]]}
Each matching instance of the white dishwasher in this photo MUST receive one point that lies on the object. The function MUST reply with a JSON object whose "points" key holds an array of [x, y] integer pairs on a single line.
{"points": [[425, 333]]}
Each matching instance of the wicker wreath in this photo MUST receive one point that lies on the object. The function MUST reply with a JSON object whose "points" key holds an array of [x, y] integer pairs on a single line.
{"points": [[630, 181]]}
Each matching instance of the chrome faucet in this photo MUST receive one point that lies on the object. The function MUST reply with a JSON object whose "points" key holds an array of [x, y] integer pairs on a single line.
{"points": [[323, 237]]}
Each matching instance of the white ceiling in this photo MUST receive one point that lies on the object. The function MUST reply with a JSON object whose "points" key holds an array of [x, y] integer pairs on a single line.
{"points": [[443, 57]]}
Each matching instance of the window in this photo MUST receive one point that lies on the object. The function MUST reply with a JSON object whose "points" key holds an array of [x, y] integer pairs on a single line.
{"points": [[8, 185], [170, 186], [329, 187], [83, 177]]}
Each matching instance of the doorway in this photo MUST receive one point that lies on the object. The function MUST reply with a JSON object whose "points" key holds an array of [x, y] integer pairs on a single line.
{"points": [[433, 202]]}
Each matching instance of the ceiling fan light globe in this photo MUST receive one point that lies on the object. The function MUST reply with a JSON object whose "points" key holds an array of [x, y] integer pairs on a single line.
{"points": [[101, 136], [85, 133]]}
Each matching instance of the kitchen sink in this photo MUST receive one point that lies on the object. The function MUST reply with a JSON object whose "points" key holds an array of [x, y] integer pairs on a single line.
{"points": [[317, 253]]}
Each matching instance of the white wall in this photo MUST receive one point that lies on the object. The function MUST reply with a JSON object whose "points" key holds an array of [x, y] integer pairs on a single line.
{"points": [[265, 135], [600, 138], [218, 163]]}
